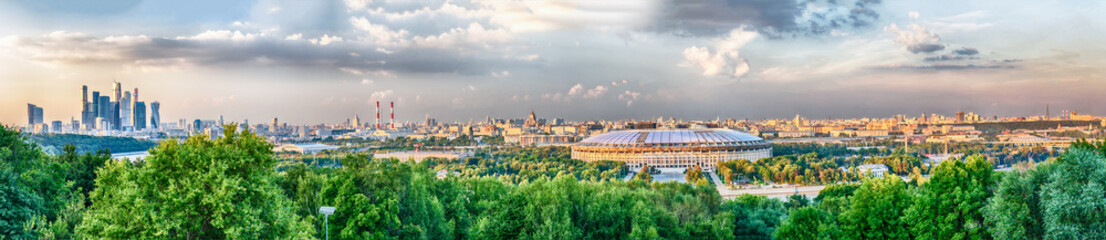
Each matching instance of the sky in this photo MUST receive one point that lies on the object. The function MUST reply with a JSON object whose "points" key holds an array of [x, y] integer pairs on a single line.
{"points": [[308, 62]]}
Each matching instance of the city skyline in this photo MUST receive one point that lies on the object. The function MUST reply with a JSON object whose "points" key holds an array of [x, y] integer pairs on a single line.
{"points": [[325, 61]]}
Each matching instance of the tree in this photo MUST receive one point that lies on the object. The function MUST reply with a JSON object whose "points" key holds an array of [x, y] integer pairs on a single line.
{"points": [[756, 217], [33, 189], [1063, 199], [807, 223], [644, 175], [949, 205], [1074, 199], [196, 189], [876, 210], [693, 175]]}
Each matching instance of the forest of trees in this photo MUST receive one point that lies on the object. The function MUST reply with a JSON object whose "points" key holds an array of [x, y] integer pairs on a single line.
{"points": [[229, 188], [54, 143]]}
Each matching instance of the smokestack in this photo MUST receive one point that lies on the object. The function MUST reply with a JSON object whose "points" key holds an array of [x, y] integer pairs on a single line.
{"points": [[378, 115], [392, 113]]}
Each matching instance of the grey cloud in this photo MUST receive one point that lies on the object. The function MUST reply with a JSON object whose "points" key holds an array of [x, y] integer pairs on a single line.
{"points": [[83, 49], [925, 47], [944, 58], [966, 51], [773, 18], [941, 67]]}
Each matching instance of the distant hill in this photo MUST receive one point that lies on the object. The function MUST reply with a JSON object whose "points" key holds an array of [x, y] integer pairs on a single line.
{"points": [[53, 143]]}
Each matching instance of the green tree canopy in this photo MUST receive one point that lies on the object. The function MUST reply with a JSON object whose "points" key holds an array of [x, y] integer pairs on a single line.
{"points": [[949, 205], [196, 189], [876, 210]]}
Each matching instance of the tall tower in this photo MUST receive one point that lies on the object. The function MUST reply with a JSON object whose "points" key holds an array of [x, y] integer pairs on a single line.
{"points": [[95, 106], [125, 110], [392, 114], [1047, 114], [84, 98], [155, 115], [378, 115], [118, 88], [139, 115], [356, 120]]}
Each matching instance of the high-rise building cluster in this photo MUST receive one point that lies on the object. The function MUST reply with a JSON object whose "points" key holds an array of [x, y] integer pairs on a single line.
{"points": [[122, 111], [126, 112]]}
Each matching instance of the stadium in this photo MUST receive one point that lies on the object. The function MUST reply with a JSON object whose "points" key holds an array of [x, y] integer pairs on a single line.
{"points": [[672, 148]]}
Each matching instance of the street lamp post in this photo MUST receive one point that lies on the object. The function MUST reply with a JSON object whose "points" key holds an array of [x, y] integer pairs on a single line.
{"points": [[326, 211]]}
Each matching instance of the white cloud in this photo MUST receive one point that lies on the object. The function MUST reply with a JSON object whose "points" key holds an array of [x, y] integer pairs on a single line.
{"points": [[596, 92], [325, 40], [367, 81], [381, 95], [378, 34], [294, 37], [356, 5], [222, 35], [914, 15], [473, 37], [504, 73], [577, 89], [537, 16], [629, 97], [616, 83], [916, 39], [273, 10], [726, 56]]}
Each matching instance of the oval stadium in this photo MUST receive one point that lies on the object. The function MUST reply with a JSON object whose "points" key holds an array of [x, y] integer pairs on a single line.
{"points": [[672, 148]]}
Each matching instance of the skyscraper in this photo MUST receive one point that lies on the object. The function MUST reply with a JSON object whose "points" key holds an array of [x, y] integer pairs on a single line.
{"points": [[155, 115], [139, 115], [86, 109], [105, 110], [95, 107], [34, 114], [116, 121], [125, 110]]}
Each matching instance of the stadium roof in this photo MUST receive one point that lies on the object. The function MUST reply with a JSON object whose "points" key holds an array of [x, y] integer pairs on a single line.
{"points": [[673, 137]]}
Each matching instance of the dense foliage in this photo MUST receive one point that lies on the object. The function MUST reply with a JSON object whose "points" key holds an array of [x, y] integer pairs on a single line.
{"points": [[518, 164], [229, 188], [808, 169], [54, 143], [195, 189]]}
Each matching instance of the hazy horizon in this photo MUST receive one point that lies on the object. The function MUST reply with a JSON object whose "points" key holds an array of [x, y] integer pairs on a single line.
{"points": [[308, 62]]}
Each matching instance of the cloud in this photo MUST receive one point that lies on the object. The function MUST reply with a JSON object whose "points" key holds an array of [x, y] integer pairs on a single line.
{"points": [[945, 57], [504, 73], [917, 39], [378, 34], [357, 5], [943, 67], [596, 92], [294, 37], [325, 40], [367, 81], [381, 95], [473, 37], [540, 16], [771, 18], [725, 57], [222, 35], [576, 89], [966, 51], [914, 15], [629, 97]]}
